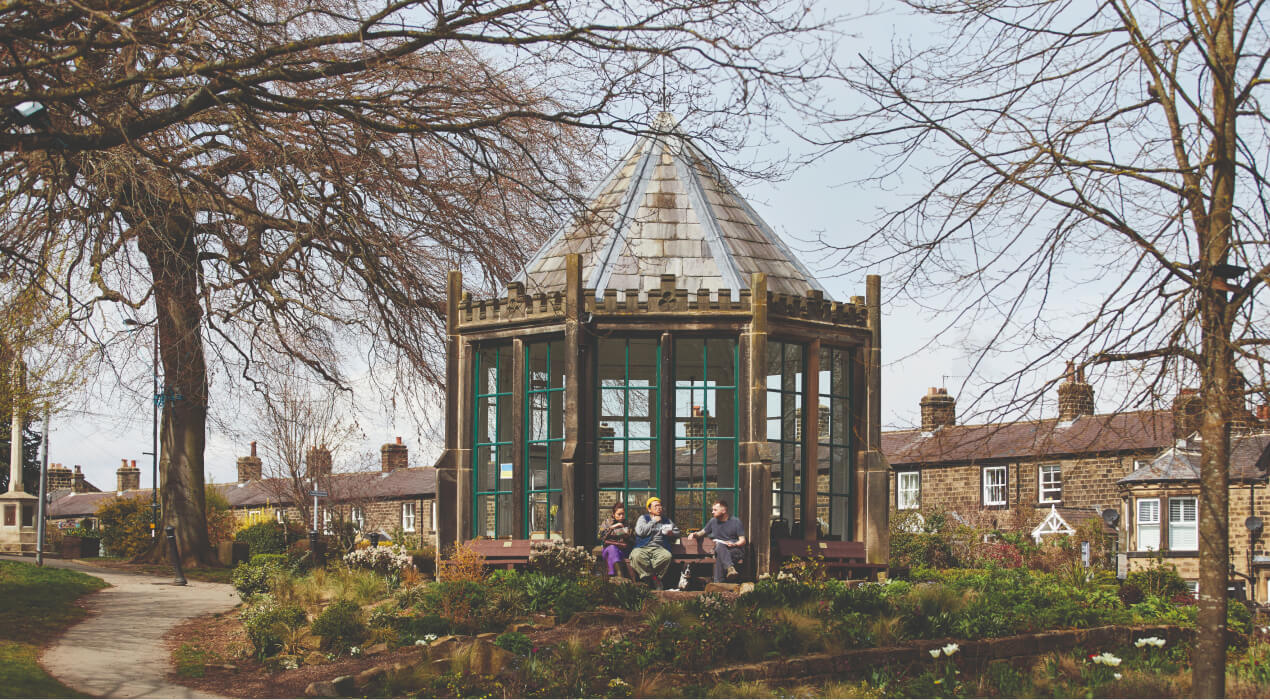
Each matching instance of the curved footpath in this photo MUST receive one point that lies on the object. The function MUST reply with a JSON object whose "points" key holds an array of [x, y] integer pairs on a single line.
{"points": [[118, 650]]}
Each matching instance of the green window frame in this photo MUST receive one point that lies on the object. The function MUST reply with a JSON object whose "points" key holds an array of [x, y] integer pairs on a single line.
{"points": [[544, 437], [836, 495], [786, 371], [493, 468], [627, 463], [705, 419]]}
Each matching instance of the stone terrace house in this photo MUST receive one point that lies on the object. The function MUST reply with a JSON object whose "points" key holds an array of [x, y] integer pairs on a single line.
{"points": [[72, 499], [1061, 470], [398, 497], [663, 342], [1160, 512]]}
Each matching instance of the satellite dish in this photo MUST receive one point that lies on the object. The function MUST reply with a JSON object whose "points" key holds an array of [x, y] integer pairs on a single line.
{"points": [[1111, 516], [1253, 523]]}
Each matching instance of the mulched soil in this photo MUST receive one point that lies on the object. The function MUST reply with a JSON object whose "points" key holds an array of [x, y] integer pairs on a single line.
{"points": [[240, 675]]}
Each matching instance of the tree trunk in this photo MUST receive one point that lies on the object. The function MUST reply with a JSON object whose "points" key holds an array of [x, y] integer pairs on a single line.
{"points": [[1217, 386], [173, 258]]}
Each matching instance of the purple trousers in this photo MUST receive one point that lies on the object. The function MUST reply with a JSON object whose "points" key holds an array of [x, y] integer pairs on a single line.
{"points": [[612, 554]]}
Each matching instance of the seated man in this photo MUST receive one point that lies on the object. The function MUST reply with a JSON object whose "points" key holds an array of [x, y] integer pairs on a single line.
{"points": [[654, 534], [728, 534]]}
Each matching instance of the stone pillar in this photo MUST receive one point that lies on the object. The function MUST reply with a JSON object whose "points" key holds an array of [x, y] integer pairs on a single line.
{"points": [[810, 440], [447, 475], [15, 433], [393, 456], [572, 522], [877, 534], [755, 509]]}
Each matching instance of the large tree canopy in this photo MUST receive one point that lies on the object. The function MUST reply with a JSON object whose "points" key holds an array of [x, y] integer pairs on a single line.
{"points": [[1092, 176], [292, 178]]}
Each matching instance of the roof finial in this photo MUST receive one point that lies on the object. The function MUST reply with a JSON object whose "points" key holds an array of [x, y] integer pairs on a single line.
{"points": [[665, 93]]}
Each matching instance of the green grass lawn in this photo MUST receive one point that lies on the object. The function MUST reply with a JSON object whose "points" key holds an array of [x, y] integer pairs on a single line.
{"points": [[36, 604]]}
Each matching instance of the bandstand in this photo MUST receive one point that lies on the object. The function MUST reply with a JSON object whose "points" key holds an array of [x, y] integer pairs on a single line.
{"points": [[665, 341]]}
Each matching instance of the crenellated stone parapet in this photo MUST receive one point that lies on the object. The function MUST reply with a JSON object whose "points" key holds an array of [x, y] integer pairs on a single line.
{"points": [[519, 307]]}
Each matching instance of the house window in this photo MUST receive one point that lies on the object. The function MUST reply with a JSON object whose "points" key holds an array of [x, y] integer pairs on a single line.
{"points": [[1148, 524], [358, 517], [1193, 587], [280, 515], [492, 467], [785, 369], [705, 421], [253, 516], [833, 420], [432, 508], [908, 490], [994, 490], [544, 437], [326, 522], [1140, 464], [408, 517], [1051, 483], [627, 465], [1183, 524]]}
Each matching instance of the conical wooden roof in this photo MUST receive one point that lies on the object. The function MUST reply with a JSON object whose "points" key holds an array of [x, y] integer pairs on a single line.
{"points": [[665, 208]]}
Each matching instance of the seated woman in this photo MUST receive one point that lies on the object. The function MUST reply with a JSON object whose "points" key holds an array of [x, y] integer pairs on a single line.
{"points": [[615, 538]]}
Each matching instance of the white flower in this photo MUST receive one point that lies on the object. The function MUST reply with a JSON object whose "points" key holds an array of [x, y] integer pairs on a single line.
{"points": [[934, 653], [1106, 659], [1117, 676], [1149, 641], [950, 649], [420, 642]]}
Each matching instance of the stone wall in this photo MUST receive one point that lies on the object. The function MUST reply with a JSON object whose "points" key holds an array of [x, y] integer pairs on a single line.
{"points": [[382, 515], [1087, 482]]}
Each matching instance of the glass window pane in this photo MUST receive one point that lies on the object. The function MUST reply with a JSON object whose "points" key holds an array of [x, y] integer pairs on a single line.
{"points": [[640, 403]]}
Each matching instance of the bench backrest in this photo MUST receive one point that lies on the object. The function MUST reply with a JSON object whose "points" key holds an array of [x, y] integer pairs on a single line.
{"points": [[686, 547], [502, 549], [828, 549]]}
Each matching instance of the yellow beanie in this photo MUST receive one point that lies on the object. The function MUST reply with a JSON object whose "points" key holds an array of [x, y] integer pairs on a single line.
{"points": [[649, 503]]}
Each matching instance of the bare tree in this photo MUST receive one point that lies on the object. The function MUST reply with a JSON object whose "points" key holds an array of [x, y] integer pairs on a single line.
{"points": [[1069, 151], [295, 426], [292, 176]]}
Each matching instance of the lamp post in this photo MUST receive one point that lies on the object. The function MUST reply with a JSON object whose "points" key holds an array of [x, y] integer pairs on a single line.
{"points": [[154, 424]]}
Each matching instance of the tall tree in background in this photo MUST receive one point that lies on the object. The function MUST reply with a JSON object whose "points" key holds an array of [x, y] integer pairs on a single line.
{"points": [[1092, 172], [295, 177]]}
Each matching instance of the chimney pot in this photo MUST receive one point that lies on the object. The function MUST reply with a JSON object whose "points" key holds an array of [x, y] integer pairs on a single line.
{"points": [[253, 448], [1075, 396]]}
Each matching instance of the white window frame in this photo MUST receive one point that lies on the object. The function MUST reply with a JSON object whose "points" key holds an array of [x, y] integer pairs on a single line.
{"points": [[989, 486], [408, 514], [253, 515], [1183, 526], [1052, 493], [1149, 525], [908, 496], [326, 522], [432, 511], [357, 516], [1192, 586], [280, 515]]}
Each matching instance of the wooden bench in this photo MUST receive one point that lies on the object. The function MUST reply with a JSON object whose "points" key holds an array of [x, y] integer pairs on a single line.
{"points": [[842, 559], [503, 554], [685, 552]]}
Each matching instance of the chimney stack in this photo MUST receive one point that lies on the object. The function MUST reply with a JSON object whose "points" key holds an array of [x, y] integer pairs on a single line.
{"points": [[1187, 410], [393, 456], [250, 468], [939, 410], [318, 460], [59, 477], [1075, 396], [128, 477], [77, 481]]}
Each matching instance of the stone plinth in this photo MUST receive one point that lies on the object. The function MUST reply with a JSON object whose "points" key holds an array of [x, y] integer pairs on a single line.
{"points": [[17, 522]]}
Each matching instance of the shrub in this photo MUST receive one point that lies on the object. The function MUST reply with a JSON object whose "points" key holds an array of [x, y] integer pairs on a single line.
{"points": [[1130, 593], [266, 537], [125, 526], [461, 563], [425, 559], [340, 626], [268, 624], [252, 578], [383, 560], [515, 642], [553, 558], [220, 518], [1159, 580]]}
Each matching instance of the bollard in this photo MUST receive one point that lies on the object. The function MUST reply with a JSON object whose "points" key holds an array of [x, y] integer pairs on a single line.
{"points": [[374, 539], [176, 556], [313, 546]]}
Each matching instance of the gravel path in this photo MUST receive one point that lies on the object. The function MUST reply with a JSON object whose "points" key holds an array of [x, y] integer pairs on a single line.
{"points": [[118, 650]]}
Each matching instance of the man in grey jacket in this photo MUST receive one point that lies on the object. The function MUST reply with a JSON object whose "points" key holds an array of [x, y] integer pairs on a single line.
{"points": [[654, 533]]}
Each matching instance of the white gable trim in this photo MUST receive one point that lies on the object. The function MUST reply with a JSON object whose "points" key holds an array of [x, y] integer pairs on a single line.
{"points": [[1053, 524]]}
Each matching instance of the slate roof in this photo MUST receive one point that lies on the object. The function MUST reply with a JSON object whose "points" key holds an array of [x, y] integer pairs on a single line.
{"points": [[1249, 460], [399, 483], [1109, 433], [666, 208]]}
